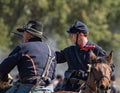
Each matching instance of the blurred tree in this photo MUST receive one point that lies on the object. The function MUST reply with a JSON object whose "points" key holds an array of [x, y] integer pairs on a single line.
{"points": [[58, 15]]}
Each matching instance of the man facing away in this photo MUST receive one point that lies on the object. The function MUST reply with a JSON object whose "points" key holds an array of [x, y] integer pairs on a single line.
{"points": [[31, 58]]}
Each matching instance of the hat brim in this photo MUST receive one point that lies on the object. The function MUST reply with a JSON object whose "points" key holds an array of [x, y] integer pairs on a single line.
{"points": [[37, 34], [20, 29], [33, 33], [72, 31]]}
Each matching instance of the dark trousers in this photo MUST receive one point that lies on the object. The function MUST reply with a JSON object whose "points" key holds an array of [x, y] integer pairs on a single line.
{"points": [[70, 85]]}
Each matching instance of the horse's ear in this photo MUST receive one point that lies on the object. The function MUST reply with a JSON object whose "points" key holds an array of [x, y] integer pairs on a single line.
{"points": [[109, 57], [92, 56]]}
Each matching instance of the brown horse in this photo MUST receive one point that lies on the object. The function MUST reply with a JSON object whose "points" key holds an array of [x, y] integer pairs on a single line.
{"points": [[99, 74]]}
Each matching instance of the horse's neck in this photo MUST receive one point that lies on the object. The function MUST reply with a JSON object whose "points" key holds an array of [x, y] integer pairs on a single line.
{"points": [[90, 85]]}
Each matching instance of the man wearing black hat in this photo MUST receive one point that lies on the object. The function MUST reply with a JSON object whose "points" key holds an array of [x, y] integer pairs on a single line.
{"points": [[77, 56], [31, 58]]}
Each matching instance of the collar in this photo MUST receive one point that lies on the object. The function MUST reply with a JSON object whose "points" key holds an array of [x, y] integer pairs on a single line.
{"points": [[35, 39], [88, 46]]}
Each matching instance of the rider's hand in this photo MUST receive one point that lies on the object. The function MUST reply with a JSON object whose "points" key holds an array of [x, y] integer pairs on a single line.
{"points": [[82, 75], [5, 83]]}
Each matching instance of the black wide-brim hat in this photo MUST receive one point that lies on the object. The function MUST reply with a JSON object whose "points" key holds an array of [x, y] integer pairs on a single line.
{"points": [[33, 27]]}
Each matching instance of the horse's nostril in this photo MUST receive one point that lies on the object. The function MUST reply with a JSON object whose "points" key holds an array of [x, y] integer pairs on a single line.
{"points": [[102, 87], [109, 87]]}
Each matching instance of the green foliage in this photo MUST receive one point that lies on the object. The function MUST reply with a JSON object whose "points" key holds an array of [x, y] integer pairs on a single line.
{"points": [[3, 34], [4, 40], [101, 16]]}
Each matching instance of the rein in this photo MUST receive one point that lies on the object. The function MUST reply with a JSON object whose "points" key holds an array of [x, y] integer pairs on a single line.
{"points": [[99, 73], [96, 81]]}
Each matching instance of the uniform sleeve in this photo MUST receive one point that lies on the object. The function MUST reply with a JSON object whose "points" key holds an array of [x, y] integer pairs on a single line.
{"points": [[60, 56], [99, 51], [10, 62], [16, 50]]}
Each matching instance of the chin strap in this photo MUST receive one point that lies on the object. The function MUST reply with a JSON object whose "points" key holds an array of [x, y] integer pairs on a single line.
{"points": [[77, 38]]}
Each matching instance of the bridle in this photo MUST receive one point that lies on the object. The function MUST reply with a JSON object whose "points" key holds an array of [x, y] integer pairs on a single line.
{"points": [[98, 80], [95, 78]]}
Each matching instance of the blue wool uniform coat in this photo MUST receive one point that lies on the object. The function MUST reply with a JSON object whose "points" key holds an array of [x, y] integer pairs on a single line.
{"points": [[30, 59], [77, 59], [69, 55]]}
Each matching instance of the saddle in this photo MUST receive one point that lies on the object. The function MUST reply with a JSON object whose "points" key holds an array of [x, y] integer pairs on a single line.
{"points": [[75, 78]]}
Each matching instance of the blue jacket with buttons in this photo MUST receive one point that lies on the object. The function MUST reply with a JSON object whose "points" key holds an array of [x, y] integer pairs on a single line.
{"points": [[30, 59], [68, 55]]}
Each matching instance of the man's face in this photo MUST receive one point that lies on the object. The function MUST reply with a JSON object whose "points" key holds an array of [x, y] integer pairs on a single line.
{"points": [[26, 36], [74, 37]]}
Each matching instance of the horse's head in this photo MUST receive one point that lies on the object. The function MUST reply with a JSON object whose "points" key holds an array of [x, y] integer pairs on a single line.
{"points": [[101, 71]]}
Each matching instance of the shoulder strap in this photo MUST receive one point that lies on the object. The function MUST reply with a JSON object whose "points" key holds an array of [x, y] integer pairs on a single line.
{"points": [[79, 60], [48, 63]]}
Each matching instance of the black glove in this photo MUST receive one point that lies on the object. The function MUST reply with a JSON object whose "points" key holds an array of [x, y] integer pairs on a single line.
{"points": [[47, 81], [82, 75]]}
